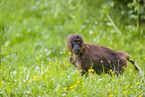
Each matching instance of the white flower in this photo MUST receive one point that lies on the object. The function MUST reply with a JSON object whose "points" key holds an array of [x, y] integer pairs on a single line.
{"points": [[90, 32], [28, 92], [14, 72], [63, 94], [37, 68]]}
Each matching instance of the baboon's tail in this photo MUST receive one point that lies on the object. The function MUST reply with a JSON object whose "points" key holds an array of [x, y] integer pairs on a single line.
{"points": [[127, 56]]}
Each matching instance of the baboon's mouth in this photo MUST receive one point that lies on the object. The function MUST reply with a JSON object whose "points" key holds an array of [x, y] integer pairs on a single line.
{"points": [[77, 51]]}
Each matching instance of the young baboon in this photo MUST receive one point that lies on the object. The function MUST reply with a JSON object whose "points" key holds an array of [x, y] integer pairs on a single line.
{"points": [[96, 57]]}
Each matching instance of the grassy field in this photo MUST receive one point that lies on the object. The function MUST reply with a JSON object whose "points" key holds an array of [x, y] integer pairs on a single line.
{"points": [[34, 55]]}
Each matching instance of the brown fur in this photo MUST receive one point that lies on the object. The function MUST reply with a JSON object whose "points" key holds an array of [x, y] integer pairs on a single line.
{"points": [[99, 58]]}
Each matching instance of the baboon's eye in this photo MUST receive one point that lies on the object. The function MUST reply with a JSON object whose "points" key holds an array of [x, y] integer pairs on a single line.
{"points": [[73, 42], [79, 42]]}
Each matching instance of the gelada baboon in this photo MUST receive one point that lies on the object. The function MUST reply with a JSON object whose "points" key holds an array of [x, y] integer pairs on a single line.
{"points": [[96, 57]]}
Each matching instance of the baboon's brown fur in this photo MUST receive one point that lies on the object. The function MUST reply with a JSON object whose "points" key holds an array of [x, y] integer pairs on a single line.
{"points": [[99, 58]]}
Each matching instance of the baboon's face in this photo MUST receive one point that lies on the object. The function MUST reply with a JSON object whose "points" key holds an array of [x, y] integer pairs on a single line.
{"points": [[76, 42]]}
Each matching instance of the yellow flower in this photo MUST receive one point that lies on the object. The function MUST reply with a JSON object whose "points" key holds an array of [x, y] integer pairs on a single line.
{"points": [[83, 83], [57, 89], [35, 76], [109, 90], [110, 70], [20, 68], [106, 74], [140, 96], [75, 85], [124, 68], [72, 90], [41, 67], [56, 63], [77, 72], [144, 58], [110, 95], [110, 47], [115, 91], [50, 63], [64, 62], [47, 70], [35, 79], [137, 83], [130, 70], [70, 15], [40, 77], [65, 88], [93, 76], [113, 80], [64, 52], [29, 81], [2, 82], [71, 87], [125, 91], [69, 53], [78, 81], [61, 78], [91, 70], [114, 45]]}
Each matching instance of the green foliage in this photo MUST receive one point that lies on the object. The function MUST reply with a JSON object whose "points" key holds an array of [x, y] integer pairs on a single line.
{"points": [[34, 56]]}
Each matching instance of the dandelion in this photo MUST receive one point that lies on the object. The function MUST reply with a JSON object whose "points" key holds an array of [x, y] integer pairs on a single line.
{"points": [[57, 89], [144, 58], [69, 53], [114, 45], [115, 91], [65, 88], [64, 62], [106, 74], [91, 70], [41, 67], [130, 70], [71, 87], [125, 92], [140, 96], [2, 82], [56, 63], [78, 81], [77, 72], [61, 78], [110, 95], [113, 80], [93, 76], [35, 79], [110, 47], [75, 85], [64, 52], [83, 83], [29, 81], [109, 90], [35, 76], [47, 70], [137, 83], [110, 70], [40, 77], [124, 68], [20, 68], [72, 90], [71, 15], [50, 63]]}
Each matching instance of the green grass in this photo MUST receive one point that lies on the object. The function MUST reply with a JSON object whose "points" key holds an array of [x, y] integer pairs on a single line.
{"points": [[35, 58]]}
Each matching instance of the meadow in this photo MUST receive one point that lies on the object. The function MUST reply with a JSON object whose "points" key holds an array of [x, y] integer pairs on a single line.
{"points": [[34, 58]]}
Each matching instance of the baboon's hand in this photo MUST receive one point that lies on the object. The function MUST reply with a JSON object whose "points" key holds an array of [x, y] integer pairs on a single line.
{"points": [[71, 59]]}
